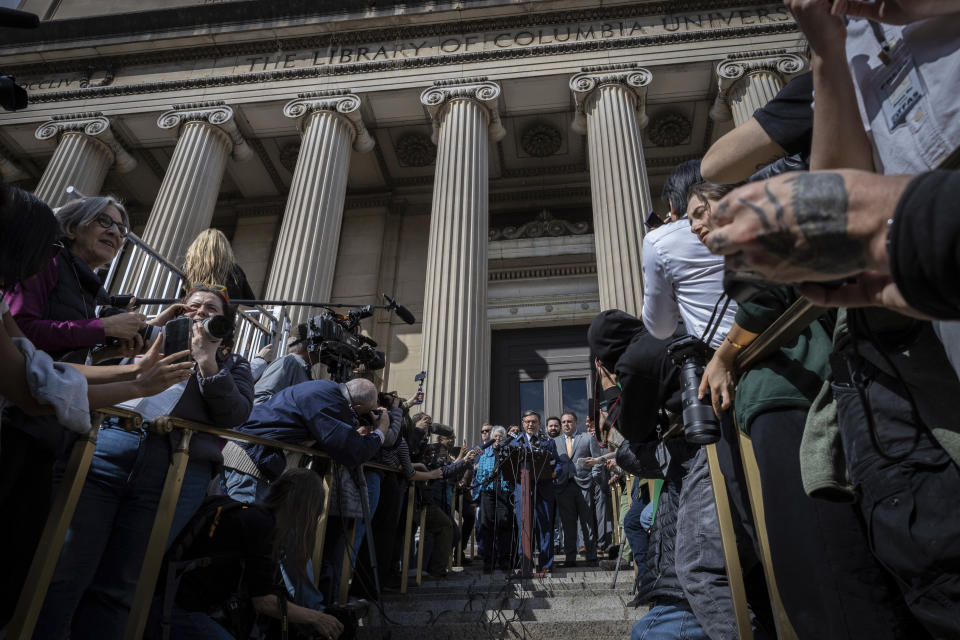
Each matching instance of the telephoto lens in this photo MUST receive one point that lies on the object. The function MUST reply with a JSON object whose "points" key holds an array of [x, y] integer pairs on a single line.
{"points": [[700, 423], [216, 327]]}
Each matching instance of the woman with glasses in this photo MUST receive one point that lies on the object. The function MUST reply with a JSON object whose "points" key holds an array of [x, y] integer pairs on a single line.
{"points": [[34, 388], [96, 576]]}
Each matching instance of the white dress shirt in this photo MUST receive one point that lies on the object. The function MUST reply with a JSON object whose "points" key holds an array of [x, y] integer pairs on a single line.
{"points": [[682, 279]]}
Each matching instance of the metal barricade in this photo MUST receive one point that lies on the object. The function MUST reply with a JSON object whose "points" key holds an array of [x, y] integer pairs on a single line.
{"points": [[139, 270], [64, 505]]}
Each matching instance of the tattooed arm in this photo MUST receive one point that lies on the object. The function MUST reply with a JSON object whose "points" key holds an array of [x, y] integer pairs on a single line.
{"points": [[800, 227]]}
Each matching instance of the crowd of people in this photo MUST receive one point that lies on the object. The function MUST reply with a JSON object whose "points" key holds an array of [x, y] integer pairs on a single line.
{"points": [[843, 202]]}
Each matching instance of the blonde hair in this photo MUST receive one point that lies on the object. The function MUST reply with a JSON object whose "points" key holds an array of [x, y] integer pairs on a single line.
{"points": [[209, 259]]}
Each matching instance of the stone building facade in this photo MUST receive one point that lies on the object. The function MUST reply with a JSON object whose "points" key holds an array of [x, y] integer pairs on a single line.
{"points": [[489, 163]]}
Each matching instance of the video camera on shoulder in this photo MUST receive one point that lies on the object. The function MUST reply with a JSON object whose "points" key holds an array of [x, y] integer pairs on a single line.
{"points": [[435, 456], [700, 423]]}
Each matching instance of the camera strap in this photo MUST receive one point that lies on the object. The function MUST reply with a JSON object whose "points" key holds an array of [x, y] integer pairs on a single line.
{"points": [[714, 322]]}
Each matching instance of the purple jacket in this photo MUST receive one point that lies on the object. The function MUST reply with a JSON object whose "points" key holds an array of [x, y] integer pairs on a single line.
{"points": [[30, 305]]}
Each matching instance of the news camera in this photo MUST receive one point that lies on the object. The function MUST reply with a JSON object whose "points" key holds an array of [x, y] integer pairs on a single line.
{"points": [[340, 346]]}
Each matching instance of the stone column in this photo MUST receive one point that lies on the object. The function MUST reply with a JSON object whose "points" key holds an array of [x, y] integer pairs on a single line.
{"points": [[610, 110], [86, 149], [306, 254], [456, 355], [748, 81], [188, 194]]}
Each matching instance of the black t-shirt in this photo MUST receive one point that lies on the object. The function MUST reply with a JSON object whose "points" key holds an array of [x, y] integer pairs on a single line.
{"points": [[788, 118], [241, 548]]}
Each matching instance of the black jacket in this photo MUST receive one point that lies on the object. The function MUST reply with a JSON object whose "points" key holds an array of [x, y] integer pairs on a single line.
{"points": [[649, 380]]}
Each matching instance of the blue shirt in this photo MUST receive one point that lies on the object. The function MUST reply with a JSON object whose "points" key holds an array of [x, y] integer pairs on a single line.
{"points": [[484, 482]]}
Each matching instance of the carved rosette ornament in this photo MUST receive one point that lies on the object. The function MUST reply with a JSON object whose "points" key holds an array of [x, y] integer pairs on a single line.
{"points": [[634, 78], [415, 150], [215, 113], [669, 129], [337, 101], [540, 140], [748, 81], [437, 100], [94, 125]]}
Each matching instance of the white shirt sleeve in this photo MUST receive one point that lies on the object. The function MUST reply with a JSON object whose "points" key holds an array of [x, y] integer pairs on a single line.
{"points": [[660, 311]]}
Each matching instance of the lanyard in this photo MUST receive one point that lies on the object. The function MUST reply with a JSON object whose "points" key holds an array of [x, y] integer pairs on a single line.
{"points": [[881, 37]]}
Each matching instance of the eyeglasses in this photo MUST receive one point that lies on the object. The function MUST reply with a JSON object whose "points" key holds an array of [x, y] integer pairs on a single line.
{"points": [[106, 222]]}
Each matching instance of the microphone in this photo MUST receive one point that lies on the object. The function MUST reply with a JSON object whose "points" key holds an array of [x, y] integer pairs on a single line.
{"points": [[488, 444], [402, 312]]}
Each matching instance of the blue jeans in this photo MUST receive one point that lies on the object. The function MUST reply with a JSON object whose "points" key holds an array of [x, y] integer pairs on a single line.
{"points": [[636, 522], [668, 622], [99, 566], [244, 487]]}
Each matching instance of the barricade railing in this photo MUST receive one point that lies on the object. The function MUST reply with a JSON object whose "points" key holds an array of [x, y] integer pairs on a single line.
{"points": [[65, 503]]}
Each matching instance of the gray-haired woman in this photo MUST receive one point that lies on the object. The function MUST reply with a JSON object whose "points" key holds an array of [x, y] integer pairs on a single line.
{"points": [[56, 309]]}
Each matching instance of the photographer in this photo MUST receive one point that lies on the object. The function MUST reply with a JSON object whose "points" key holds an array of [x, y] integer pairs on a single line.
{"points": [[37, 387], [641, 380], [323, 412], [293, 368], [95, 579], [437, 499]]}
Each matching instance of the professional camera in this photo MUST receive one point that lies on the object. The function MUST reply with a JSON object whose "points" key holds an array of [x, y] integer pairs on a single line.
{"points": [[341, 346], [435, 456], [700, 423], [149, 333]]}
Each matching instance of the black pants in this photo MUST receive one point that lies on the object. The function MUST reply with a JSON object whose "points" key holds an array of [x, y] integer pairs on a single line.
{"points": [[26, 481], [496, 516], [384, 523], [469, 519], [908, 489], [830, 584]]}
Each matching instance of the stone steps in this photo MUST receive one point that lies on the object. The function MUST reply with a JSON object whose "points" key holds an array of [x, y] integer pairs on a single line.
{"points": [[573, 603]]}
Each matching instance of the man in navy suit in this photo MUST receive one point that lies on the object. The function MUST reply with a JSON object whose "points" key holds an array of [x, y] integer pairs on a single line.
{"points": [[574, 489], [542, 495]]}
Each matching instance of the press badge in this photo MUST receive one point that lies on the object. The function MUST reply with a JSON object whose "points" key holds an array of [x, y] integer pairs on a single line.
{"points": [[898, 87]]}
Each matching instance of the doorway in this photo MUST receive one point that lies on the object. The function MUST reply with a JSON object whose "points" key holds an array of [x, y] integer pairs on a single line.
{"points": [[544, 369]]}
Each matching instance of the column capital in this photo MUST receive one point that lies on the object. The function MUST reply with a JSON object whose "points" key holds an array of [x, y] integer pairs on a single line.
{"points": [[215, 113], [630, 75], [94, 125], [737, 67], [478, 89], [338, 101]]}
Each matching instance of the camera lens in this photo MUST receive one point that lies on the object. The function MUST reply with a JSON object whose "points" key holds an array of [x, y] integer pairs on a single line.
{"points": [[700, 423]]}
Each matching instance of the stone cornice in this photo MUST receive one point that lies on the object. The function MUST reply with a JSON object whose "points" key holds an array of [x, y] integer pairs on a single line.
{"points": [[478, 89], [739, 66], [94, 125], [632, 76], [413, 30], [472, 57], [338, 101], [215, 113]]}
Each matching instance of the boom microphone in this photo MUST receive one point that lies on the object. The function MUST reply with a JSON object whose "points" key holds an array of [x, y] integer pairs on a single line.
{"points": [[402, 312]]}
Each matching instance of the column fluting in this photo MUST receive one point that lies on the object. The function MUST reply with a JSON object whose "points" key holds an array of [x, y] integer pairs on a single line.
{"points": [[747, 83], [455, 348], [610, 111], [306, 255]]}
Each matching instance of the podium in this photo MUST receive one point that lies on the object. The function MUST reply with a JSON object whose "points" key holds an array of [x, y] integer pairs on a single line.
{"points": [[525, 467]]}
